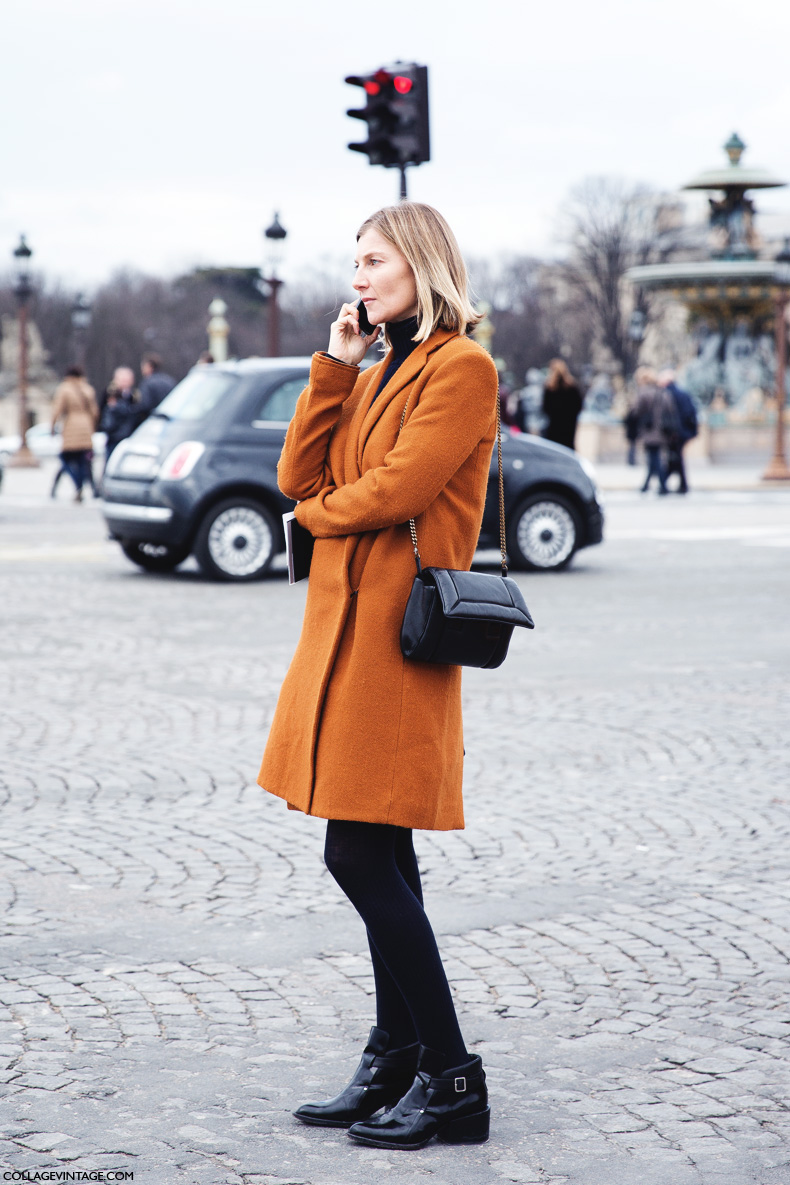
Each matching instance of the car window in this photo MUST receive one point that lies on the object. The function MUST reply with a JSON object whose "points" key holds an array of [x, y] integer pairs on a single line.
{"points": [[196, 395], [278, 406]]}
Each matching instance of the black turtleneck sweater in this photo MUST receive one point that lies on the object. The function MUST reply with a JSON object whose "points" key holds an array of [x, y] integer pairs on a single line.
{"points": [[400, 334]]}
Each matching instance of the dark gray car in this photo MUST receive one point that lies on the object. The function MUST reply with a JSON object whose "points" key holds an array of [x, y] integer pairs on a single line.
{"points": [[199, 476]]}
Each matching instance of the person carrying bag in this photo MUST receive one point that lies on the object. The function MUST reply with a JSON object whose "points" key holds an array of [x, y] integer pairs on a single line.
{"points": [[364, 736]]}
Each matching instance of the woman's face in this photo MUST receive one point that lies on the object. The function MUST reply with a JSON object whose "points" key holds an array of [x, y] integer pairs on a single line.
{"points": [[384, 280]]}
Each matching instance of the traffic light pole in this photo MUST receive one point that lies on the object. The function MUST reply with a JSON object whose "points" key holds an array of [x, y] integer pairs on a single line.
{"points": [[396, 114]]}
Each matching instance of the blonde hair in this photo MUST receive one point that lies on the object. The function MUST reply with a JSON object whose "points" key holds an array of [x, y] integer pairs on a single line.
{"points": [[430, 248]]}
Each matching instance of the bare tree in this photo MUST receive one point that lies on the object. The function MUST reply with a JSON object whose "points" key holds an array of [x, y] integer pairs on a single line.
{"points": [[535, 313], [133, 313], [610, 227]]}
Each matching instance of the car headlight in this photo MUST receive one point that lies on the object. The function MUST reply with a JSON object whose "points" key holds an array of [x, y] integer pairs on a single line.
{"points": [[179, 463]]}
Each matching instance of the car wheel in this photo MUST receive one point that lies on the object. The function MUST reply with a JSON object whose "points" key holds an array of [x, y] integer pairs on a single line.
{"points": [[543, 533], [154, 557], [236, 540]]}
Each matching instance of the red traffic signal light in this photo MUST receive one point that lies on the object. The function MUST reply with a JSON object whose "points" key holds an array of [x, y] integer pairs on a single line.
{"points": [[396, 112]]}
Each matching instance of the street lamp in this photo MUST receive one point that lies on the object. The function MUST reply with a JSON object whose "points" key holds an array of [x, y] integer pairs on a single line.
{"points": [[275, 241], [777, 467], [23, 458], [218, 330], [80, 324]]}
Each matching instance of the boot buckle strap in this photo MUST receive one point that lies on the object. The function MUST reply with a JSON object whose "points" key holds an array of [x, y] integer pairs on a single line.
{"points": [[460, 1085]]}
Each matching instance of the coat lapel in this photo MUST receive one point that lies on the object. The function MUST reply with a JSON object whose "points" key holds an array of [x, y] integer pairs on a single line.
{"points": [[372, 408], [351, 469]]}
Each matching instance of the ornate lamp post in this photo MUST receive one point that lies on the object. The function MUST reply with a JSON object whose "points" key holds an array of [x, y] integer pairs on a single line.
{"points": [[80, 324], [275, 237], [777, 467], [218, 330], [23, 458]]}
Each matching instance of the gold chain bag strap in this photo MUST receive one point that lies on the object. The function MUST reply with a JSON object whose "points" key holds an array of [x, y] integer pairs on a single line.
{"points": [[463, 618]]}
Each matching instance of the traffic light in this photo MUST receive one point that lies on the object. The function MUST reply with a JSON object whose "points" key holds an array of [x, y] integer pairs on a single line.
{"points": [[396, 112]]}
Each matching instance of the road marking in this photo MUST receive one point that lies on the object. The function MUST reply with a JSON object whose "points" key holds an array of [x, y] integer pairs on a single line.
{"points": [[756, 535], [94, 552]]}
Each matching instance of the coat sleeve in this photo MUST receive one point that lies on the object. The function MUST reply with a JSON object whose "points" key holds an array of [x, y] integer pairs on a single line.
{"points": [[302, 469], [454, 413]]}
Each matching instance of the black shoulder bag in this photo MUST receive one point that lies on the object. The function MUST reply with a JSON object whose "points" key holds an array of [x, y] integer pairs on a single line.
{"points": [[463, 618]]}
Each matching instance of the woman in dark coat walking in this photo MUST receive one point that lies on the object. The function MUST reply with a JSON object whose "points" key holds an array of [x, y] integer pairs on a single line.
{"points": [[562, 403], [363, 737]]}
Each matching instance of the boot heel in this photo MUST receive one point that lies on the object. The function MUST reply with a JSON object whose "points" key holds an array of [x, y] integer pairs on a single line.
{"points": [[472, 1129]]}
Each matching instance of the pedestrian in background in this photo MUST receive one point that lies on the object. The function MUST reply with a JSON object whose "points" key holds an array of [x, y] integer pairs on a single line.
{"points": [[362, 736], [631, 426], [155, 384], [119, 404], [76, 410], [562, 404], [657, 418], [63, 470], [688, 427]]}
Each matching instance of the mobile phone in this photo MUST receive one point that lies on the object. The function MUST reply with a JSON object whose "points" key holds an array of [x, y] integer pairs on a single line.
{"points": [[364, 321]]}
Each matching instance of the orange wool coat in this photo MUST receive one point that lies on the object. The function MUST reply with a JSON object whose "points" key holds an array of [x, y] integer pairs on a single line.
{"points": [[360, 732]]}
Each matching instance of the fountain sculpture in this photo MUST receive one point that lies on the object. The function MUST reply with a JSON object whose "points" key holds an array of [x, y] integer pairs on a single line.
{"points": [[731, 296]]}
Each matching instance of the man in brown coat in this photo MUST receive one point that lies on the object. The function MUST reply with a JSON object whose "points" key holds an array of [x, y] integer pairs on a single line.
{"points": [[75, 406]]}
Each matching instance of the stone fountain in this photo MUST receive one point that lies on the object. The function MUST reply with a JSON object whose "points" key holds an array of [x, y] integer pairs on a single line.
{"points": [[730, 296]]}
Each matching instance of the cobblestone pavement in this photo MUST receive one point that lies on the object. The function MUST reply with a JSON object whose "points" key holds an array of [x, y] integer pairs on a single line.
{"points": [[177, 970]]}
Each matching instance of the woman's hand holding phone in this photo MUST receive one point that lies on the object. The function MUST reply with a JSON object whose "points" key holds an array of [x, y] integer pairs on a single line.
{"points": [[347, 338]]}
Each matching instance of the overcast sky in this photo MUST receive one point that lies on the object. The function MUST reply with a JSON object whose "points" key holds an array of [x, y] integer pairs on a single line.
{"points": [[162, 134]]}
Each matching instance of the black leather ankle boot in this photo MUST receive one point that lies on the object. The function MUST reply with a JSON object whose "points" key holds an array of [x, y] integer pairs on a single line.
{"points": [[451, 1105], [382, 1077]]}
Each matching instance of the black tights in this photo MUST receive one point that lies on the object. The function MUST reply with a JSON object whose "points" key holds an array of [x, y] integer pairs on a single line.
{"points": [[375, 866]]}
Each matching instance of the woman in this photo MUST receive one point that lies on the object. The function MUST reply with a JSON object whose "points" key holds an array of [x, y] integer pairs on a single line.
{"points": [[562, 403], [75, 405], [363, 737]]}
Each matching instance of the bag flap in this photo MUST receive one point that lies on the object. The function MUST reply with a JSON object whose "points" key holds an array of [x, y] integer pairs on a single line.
{"points": [[480, 594]]}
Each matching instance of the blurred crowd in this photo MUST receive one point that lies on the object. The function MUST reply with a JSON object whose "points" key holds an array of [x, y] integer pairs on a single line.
{"points": [[122, 407], [662, 417]]}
